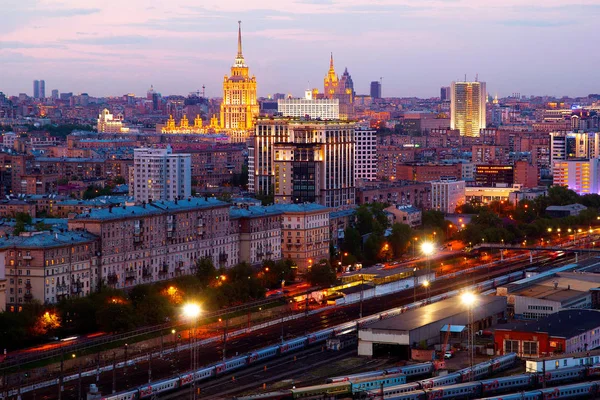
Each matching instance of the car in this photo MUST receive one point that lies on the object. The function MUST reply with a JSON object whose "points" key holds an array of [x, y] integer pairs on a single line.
{"points": [[448, 354]]}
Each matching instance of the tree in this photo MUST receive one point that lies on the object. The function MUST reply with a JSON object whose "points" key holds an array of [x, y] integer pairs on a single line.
{"points": [[352, 243], [205, 271], [399, 238], [94, 191], [321, 274], [372, 248], [116, 317], [433, 219], [119, 180]]}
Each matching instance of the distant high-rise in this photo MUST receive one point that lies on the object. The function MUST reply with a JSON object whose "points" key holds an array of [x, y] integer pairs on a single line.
{"points": [[376, 90], [239, 106], [42, 89], [445, 93], [467, 107], [36, 89], [55, 94], [158, 174]]}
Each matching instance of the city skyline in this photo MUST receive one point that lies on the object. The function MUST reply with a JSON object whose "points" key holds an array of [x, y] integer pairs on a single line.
{"points": [[179, 47]]}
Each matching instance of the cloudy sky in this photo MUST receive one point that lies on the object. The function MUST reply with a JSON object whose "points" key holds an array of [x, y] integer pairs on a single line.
{"points": [[112, 47]]}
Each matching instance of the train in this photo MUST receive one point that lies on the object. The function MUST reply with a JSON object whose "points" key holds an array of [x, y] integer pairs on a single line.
{"points": [[575, 391], [345, 388], [410, 371], [482, 370], [221, 368], [487, 387]]}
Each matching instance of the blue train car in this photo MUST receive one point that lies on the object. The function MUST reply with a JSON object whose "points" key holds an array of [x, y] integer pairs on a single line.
{"points": [[129, 395], [578, 390], [460, 391], [263, 354], [506, 384], [450, 379], [151, 390], [231, 365], [563, 375], [292, 345], [320, 336], [417, 369], [367, 384], [394, 391]]}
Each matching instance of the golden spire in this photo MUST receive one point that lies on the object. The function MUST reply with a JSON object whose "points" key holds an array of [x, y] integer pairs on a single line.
{"points": [[331, 62], [239, 59]]}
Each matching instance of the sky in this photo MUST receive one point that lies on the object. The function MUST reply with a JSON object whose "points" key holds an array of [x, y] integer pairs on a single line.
{"points": [[113, 47]]}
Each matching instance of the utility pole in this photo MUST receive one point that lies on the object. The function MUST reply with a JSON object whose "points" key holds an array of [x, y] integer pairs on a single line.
{"points": [[60, 378], [79, 384], [225, 338], [362, 282], [149, 367], [114, 381]]}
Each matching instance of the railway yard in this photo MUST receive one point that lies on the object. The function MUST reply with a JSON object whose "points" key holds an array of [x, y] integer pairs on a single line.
{"points": [[266, 364]]}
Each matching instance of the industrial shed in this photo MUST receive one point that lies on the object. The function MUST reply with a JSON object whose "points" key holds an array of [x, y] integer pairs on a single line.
{"points": [[396, 335]]}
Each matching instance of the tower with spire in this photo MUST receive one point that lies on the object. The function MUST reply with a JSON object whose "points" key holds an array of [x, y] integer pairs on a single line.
{"points": [[341, 89], [239, 106]]}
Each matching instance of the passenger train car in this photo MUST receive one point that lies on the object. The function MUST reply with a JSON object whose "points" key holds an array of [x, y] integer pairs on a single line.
{"points": [[409, 370], [581, 390], [488, 387], [220, 368]]}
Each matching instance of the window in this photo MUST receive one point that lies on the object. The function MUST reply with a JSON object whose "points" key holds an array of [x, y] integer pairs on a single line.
{"points": [[530, 348], [511, 346]]}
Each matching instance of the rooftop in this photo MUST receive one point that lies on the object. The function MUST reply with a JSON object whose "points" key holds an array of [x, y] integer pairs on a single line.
{"points": [[562, 286], [46, 239], [565, 323], [252, 212], [342, 213], [570, 207], [435, 312], [69, 159], [157, 207], [298, 208]]}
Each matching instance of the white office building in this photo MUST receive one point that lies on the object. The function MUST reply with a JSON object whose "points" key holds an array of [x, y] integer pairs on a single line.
{"points": [[447, 194], [365, 154], [313, 108], [161, 175], [569, 145]]}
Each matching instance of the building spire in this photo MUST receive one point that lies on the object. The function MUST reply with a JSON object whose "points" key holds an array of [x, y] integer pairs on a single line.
{"points": [[239, 54], [331, 61]]}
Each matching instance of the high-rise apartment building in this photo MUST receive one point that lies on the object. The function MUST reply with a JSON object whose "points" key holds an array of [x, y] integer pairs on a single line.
{"points": [[581, 176], [54, 94], [239, 106], [447, 194], [445, 93], [42, 89], [159, 174], [309, 107], [303, 161], [375, 90], [36, 89], [566, 145], [467, 107], [365, 164]]}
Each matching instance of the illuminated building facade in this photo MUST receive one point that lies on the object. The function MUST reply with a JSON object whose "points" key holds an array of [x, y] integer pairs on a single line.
{"points": [[494, 175], [107, 123], [447, 194], [239, 106], [341, 89], [161, 175], [303, 161], [309, 107], [467, 107], [581, 176]]}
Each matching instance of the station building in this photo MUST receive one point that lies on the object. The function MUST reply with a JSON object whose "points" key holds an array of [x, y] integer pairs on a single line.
{"points": [[422, 326]]}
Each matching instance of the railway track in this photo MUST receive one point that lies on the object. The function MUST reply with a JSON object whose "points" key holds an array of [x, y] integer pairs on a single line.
{"points": [[176, 363]]}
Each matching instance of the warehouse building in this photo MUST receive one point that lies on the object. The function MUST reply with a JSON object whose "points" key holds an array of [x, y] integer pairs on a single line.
{"points": [[422, 326]]}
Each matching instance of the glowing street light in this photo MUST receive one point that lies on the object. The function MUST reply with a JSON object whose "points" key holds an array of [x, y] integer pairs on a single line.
{"points": [[469, 300], [427, 248], [192, 311]]}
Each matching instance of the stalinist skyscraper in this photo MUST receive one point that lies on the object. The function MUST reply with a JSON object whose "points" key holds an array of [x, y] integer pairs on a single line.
{"points": [[239, 105], [341, 89]]}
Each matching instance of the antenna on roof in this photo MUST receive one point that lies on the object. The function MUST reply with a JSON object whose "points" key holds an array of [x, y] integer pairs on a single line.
{"points": [[477, 77]]}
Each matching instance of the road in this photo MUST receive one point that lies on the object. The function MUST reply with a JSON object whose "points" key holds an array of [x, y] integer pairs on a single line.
{"points": [[176, 363]]}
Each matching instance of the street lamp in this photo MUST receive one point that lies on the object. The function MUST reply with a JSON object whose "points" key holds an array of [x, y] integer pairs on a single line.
{"points": [[192, 311], [427, 248], [469, 299]]}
